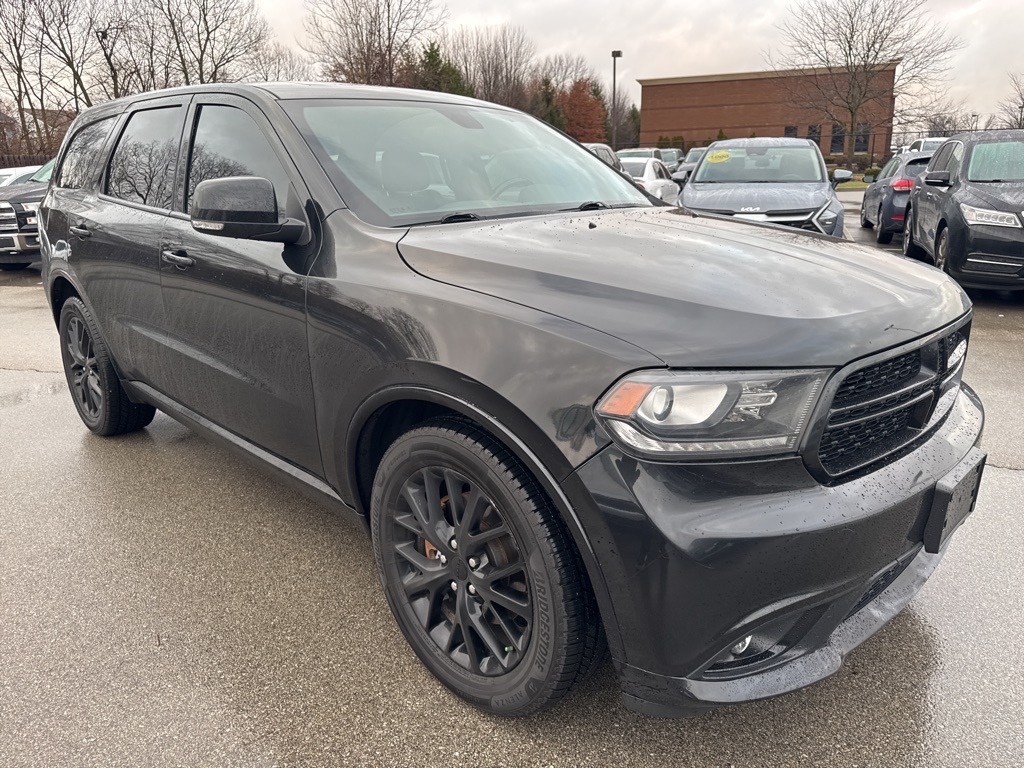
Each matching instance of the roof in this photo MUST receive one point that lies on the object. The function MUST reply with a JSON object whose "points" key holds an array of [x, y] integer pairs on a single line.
{"points": [[763, 141], [761, 75]]}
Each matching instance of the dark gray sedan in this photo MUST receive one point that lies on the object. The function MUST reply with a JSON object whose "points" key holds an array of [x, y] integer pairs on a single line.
{"points": [[885, 201]]}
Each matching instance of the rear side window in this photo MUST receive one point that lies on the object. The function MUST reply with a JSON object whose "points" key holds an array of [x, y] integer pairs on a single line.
{"points": [[80, 159], [227, 142], [144, 160], [915, 167]]}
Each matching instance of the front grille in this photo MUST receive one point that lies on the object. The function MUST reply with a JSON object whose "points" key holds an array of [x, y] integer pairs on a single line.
{"points": [[881, 408], [999, 265], [8, 218]]}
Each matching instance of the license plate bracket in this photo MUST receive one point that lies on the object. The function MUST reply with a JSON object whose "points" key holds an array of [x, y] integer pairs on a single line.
{"points": [[955, 497]]}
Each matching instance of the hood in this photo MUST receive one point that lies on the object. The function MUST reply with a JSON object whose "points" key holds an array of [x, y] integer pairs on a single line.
{"points": [[28, 192], [755, 198], [1007, 196], [696, 291]]}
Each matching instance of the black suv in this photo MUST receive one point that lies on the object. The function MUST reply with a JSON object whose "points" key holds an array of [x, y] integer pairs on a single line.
{"points": [[567, 414], [965, 212]]}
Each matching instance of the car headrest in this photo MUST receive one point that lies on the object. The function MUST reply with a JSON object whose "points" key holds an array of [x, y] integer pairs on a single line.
{"points": [[403, 171]]}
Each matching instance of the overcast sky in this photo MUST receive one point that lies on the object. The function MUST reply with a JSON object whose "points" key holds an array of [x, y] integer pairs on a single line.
{"points": [[669, 39]]}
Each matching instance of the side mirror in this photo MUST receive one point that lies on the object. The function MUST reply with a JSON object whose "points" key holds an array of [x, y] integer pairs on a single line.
{"points": [[937, 179], [869, 179], [680, 178], [243, 207]]}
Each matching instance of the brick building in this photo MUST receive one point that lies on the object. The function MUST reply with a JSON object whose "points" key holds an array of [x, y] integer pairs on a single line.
{"points": [[762, 104]]}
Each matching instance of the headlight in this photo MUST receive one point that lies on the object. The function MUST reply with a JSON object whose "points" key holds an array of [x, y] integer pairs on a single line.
{"points": [[33, 207], [974, 215], [687, 415], [826, 219]]}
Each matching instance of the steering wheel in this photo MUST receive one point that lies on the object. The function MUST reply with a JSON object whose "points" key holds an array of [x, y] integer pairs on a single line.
{"points": [[507, 184]]}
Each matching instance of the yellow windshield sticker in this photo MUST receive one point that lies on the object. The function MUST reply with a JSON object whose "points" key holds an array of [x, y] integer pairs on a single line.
{"points": [[719, 156]]}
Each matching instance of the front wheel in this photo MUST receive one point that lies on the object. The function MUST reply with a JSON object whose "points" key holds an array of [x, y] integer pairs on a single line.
{"points": [[478, 571], [942, 251], [99, 398]]}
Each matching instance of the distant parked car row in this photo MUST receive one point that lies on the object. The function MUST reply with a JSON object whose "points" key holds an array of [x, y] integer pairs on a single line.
{"points": [[19, 207]]}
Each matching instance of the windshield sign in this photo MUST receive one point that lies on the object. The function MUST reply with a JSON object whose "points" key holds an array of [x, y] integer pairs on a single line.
{"points": [[404, 163], [753, 165], [997, 161]]}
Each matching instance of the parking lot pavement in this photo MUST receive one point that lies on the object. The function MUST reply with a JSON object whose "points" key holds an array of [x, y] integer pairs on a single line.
{"points": [[164, 603]]}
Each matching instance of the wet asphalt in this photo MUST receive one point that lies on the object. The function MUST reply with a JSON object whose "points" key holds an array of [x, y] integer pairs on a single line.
{"points": [[164, 603]]}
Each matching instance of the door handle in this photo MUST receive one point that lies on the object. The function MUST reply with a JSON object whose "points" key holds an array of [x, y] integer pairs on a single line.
{"points": [[80, 231], [178, 259]]}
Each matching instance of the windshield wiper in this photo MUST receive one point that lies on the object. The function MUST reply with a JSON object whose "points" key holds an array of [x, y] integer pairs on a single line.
{"points": [[451, 218], [590, 205], [989, 181]]}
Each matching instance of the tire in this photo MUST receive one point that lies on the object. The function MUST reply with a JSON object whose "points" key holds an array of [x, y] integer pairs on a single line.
{"points": [[941, 260], [504, 617], [882, 235], [910, 248], [15, 266], [864, 222], [99, 398]]}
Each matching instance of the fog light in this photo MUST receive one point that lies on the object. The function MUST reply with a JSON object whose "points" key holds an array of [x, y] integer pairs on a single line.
{"points": [[741, 647]]}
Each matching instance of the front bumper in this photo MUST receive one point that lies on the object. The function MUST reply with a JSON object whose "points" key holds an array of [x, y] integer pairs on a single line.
{"points": [[699, 557], [988, 257], [14, 245]]}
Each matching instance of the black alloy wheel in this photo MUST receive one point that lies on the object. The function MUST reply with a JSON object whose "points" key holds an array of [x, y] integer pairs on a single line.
{"points": [[910, 248], [96, 391], [942, 251], [882, 235], [479, 573]]}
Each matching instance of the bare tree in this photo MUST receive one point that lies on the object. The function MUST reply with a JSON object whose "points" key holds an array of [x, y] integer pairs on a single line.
{"points": [[854, 45], [1011, 109], [211, 38], [562, 70], [278, 63], [949, 118], [369, 41], [497, 62]]}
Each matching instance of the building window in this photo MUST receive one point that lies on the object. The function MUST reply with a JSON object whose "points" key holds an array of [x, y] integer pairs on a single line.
{"points": [[838, 139], [860, 141], [814, 134], [789, 132]]}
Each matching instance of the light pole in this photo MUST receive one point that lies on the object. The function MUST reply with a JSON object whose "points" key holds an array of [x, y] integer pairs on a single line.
{"points": [[615, 55]]}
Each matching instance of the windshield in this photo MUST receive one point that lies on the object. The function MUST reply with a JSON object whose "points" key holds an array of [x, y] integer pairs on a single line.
{"points": [[916, 167], [760, 165], [929, 144], [694, 155], [634, 168], [43, 174], [997, 161], [402, 163], [635, 153]]}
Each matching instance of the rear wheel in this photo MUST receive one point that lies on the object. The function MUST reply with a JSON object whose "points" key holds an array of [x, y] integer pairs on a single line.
{"points": [[478, 571], [942, 250], [95, 388], [15, 266], [910, 248], [864, 221], [882, 235]]}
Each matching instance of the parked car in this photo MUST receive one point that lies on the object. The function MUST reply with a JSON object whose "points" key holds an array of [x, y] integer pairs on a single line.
{"points": [[641, 152], [927, 144], [671, 158], [11, 176], [771, 180], [19, 228], [965, 210], [563, 411], [884, 205], [605, 152], [682, 173], [652, 176]]}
